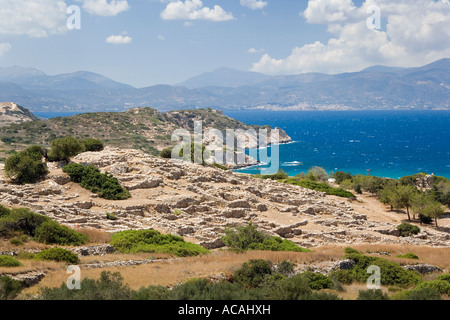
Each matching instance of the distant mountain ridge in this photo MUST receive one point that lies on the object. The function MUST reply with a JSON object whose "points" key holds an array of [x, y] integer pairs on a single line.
{"points": [[374, 88]]}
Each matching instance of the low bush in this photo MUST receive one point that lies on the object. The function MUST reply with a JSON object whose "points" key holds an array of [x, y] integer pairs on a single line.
{"points": [[91, 144], [317, 281], [51, 232], [39, 227], [249, 238], [342, 276], [109, 287], [21, 220], [166, 153], [4, 211], [57, 254], [408, 256], [441, 286], [8, 261], [9, 288], [407, 229], [285, 268], [372, 295], [63, 149], [135, 241], [111, 216], [444, 277], [321, 187], [219, 166], [420, 294], [391, 273], [351, 250], [252, 274], [26, 166], [103, 184]]}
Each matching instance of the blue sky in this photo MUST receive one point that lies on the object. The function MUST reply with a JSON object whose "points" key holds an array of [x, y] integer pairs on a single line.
{"points": [[167, 41]]}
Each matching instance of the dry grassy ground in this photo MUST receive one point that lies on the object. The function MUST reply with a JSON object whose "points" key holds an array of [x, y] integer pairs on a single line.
{"points": [[170, 272]]}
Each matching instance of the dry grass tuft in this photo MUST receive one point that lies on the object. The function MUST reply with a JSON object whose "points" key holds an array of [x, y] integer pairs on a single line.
{"points": [[96, 236]]}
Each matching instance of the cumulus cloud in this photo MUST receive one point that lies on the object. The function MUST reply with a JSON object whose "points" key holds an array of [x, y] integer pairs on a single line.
{"points": [[105, 7], [34, 18], [416, 33], [194, 10], [254, 4], [118, 39]]}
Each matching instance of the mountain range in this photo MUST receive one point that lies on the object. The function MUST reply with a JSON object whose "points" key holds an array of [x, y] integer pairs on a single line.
{"points": [[375, 88]]}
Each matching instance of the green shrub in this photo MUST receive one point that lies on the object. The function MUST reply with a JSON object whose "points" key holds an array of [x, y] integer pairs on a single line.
{"points": [[8, 261], [57, 254], [321, 187], [372, 295], [156, 293], [276, 244], [351, 250], [109, 287], [111, 216], [444, 277], [63, 149], [441, 286], [391, 273], [50, 232], [342, 276], [317, 281], [408, 256], [421, 294], [21, 220], [135, 241], [285, 268], [26, 166], [425, 219], [317, 174], [91, 144], [407, 229], [219, 166], [253, 273], [280, 175], [166, 153], [4, 211], [249, 238], [341, 176], [9, 288], [103, 184]]}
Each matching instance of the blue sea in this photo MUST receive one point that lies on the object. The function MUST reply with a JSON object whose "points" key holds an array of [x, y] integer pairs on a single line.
{"points": [[391, 144]]}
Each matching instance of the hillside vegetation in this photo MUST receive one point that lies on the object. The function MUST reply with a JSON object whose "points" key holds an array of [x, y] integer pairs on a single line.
{"points": [[144, 128]]}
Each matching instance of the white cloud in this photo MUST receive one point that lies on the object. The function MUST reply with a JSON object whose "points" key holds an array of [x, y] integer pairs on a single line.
{"points": [[34, 18], [105, 7], [118, 39], [253, 50], [416, 33], [4, 47], [194, 10], [161, 37], [254, 4]]}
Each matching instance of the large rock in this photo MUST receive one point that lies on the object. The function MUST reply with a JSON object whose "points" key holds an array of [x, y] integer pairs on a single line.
{"points": [[149, 183], [423, 268], [344, 265], [239, 204]]}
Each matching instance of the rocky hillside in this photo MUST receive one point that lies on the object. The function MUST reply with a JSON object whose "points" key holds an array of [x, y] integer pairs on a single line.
{"points": [[200, 202], [11, 113], [142, 128]]}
